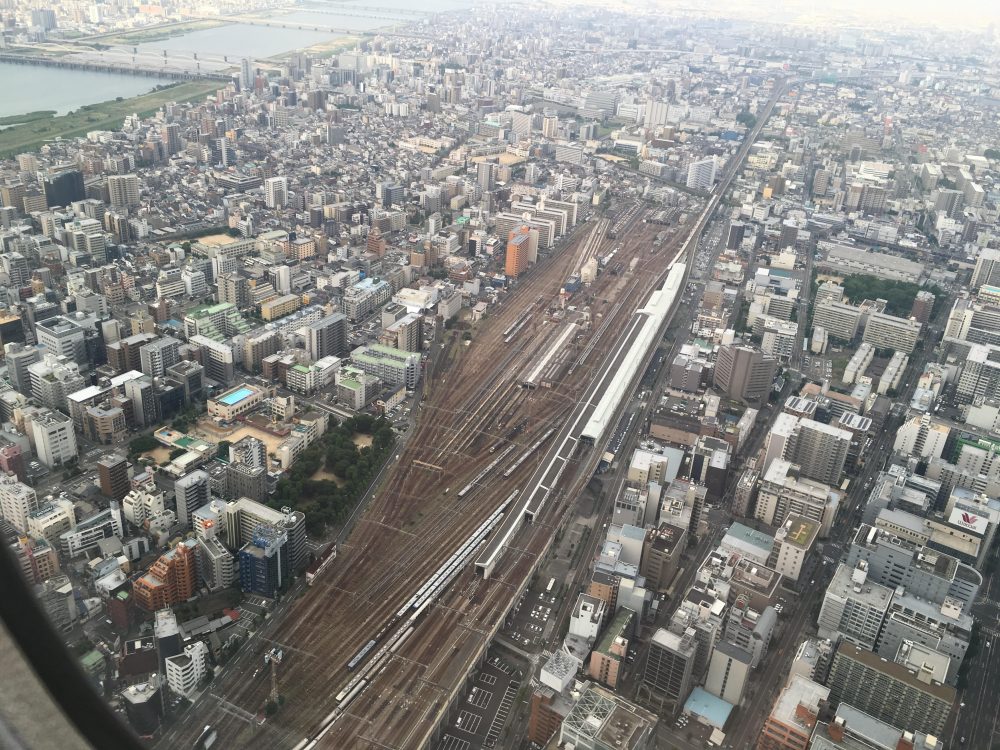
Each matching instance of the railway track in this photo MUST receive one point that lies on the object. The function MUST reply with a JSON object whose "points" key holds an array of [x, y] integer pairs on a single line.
{"points": [[403, 535]]}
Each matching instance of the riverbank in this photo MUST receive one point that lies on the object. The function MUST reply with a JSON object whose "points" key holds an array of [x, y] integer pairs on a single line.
{"points": [[156, 33], [108, 115]]}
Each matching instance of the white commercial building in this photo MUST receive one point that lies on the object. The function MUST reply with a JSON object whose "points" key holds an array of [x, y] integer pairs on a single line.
{"points": [[185, 671]]}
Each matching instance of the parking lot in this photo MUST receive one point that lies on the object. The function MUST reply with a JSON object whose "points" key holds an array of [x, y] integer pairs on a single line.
{"points": [[528, 622], [484, 708], [818, 367]]}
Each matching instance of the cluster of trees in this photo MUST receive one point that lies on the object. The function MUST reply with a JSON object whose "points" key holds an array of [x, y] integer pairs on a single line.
{"points": [[142, 444], [899, 295], [746, 118], [322, 500]]}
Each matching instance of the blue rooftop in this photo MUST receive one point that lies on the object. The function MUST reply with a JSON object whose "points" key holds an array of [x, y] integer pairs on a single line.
{"points": [[712, 709], [751, 536]]}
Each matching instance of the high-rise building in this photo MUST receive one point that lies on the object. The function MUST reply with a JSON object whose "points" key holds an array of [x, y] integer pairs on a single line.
{"points": [[744, 373], [243, 516], [987, 271], [922, 436], [55, 439], [17, 502], [19, 357], [701, 174], [854, 607], [889, 691], [156, 356], [64, 187], [264, 561], [522, 250], [889, 332], [784, 491], [728, 672], [191, 492], [819, 450], [276, 192], [486, 175], [327, 337], [123, 190], [934, 576], [667, 677], [852, 729], [113, 474], [170, 580], [234, 289]]}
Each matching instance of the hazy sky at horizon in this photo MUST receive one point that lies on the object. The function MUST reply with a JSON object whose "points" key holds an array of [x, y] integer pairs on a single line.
{"points": [[974, 15]]}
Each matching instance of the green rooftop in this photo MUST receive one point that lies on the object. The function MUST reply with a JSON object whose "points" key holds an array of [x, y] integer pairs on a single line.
{"points": [[615, 629]]}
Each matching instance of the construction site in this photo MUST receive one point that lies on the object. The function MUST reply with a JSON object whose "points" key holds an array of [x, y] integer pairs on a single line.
{"points": [[377, 649]]}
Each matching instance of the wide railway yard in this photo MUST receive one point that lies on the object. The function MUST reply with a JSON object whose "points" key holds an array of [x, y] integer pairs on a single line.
{"points": [[484, 430], [433, 565]]}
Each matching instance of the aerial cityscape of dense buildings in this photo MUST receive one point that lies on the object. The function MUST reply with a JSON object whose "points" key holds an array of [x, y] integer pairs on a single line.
{"points": [[535, 378]]}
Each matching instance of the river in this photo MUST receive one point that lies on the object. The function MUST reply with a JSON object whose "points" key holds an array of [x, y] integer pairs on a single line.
{"points": [[30, 88]]}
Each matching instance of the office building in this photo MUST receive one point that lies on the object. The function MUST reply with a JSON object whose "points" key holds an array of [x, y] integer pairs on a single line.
{"points": [[602, 720], [186, 671], [894, 560], [264, 561], [854, 607], [112, 472], [728, 672], [744, 373], [667, 677], [243, 516], [63, 337], [793, 716], [661, 554], [54, 438], [17, 502], [851, 729], [19, 358], [889, 691], [793, 542]]}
